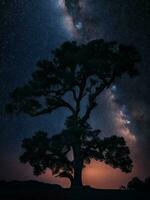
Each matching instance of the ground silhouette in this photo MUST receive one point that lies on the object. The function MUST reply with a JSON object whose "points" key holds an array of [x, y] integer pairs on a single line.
{"points": [[34, 190]]}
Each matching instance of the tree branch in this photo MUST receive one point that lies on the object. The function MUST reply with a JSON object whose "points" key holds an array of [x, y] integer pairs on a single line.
{"points": [[66, 104], [81, 88], [66, 175], [74, 94], [61, 103], [92, 99]]}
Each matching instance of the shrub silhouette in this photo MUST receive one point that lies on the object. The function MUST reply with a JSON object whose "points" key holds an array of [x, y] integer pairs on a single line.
{"points": [[139, 185], [81, 71]]}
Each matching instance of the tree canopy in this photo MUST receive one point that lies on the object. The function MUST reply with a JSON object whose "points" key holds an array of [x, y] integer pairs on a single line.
{"points": [[43, 152], [82, 72]]}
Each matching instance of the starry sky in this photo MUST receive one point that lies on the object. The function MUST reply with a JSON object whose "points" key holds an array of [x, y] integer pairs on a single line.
{"points": [[29, 30]]}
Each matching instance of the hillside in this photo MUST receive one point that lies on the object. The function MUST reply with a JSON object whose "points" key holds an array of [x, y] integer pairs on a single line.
{"points": [[41, 191]]}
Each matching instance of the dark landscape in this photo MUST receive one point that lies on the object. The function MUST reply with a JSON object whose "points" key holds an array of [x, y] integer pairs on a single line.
{"points": [[36, 190]]}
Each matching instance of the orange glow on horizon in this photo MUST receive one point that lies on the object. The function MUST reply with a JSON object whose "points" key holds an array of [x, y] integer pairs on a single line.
{"points": [[100, 175], [97, 175]]}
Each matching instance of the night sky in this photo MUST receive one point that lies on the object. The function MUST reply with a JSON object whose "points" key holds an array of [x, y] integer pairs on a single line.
{"points": [[29, 30]]}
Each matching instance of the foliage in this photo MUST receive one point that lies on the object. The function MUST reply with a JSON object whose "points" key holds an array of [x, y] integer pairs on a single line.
{"points": [[81, 141], [80, 72], [138, 185], [83, 71]]}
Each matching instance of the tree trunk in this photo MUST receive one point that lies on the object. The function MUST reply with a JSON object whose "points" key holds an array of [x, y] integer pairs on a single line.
{"points": [[78, 166], [77, 182]]}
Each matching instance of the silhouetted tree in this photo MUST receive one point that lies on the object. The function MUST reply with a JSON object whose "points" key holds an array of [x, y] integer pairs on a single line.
{"points": [[147, 183], [139, 185], [85, 144], [135, 184], [81, 72]]}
